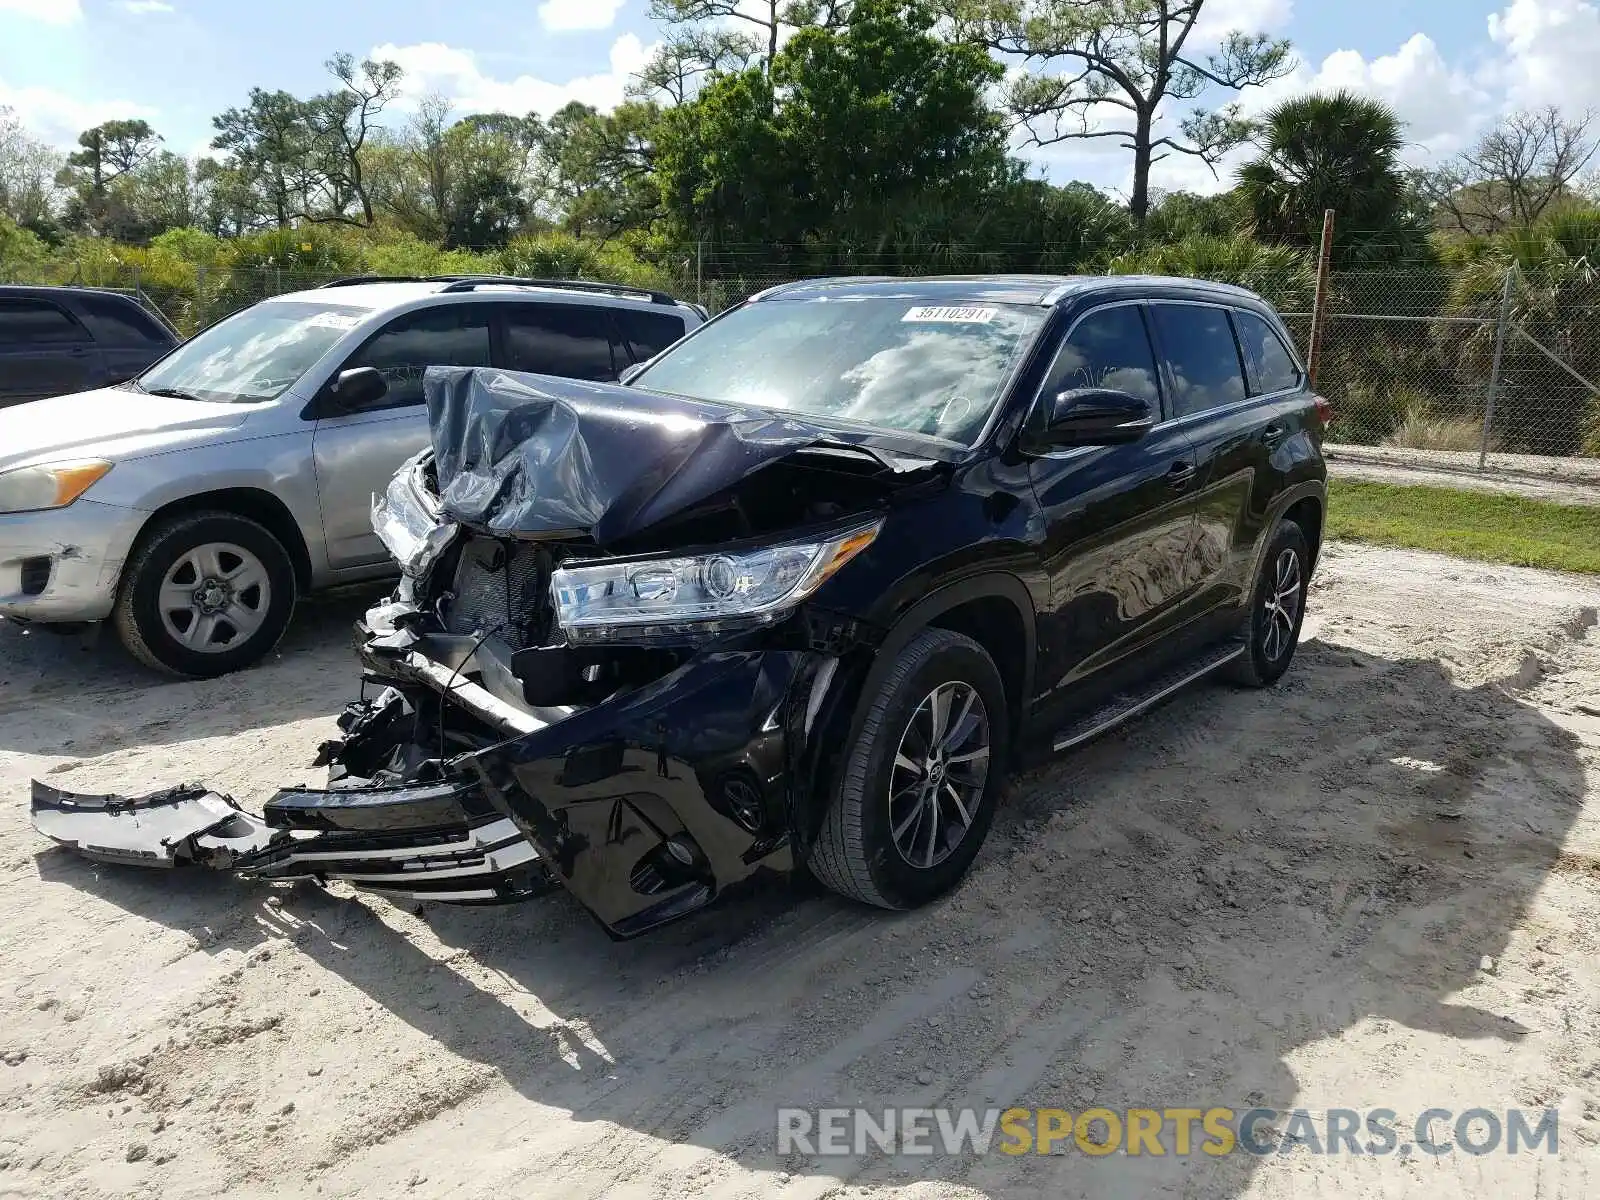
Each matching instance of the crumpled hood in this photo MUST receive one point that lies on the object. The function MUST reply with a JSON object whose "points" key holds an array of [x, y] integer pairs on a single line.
{"points": [[106, 423], [536, 455]]}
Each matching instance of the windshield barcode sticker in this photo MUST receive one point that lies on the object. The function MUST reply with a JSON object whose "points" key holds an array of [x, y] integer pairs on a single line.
{"points": [[334, 320], [951, 316]]}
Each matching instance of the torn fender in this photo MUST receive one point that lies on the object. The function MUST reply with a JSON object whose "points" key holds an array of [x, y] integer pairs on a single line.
{"points": [[533, 455]]}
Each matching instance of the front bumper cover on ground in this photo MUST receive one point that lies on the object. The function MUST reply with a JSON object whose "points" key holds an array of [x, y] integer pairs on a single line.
{"points": [[646, 807]]}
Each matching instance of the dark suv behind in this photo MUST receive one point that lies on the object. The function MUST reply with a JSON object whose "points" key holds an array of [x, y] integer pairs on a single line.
{"points": [[58, 340], [799, 596]]}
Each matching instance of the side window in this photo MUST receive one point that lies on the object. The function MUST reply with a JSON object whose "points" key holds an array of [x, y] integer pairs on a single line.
{"points": [[1198, 342], [120, 322], [27, 322], [1267, 360], [561, 339], [648, 333], [1109, 348], [455, 336]]}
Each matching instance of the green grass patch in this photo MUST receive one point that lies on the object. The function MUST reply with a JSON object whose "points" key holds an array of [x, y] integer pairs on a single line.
{"points": [[1484, 525]]}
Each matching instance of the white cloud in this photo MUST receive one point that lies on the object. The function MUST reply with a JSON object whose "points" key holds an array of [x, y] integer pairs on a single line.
{"points": [[563, 16], [58, 118], [51, 12], [140, 8], [1552, 52], [1221, 17], [455, 74]]}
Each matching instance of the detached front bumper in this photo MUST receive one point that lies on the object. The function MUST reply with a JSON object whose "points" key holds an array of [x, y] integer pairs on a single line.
{"points": [[648, 805], [645, 806], [63, 564]]}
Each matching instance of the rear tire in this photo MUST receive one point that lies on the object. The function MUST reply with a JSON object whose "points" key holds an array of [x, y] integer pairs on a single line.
{"points": [[240, 588], [1277, 608], [893, 835]]}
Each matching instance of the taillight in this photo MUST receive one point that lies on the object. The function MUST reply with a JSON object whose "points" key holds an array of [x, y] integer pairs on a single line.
{"points": [[1324, 412]]}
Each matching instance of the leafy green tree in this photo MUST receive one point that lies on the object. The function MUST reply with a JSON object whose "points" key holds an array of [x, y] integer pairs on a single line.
{"points": [[1178, 215], [28, 168], [851, 130], [107, 154], [1109, 69], [1339, 151], [600, 167]]}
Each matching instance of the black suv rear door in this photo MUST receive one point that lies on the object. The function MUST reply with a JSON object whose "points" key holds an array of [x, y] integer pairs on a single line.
{"points": [[44, 351], [129, 339], [1236, 413]]}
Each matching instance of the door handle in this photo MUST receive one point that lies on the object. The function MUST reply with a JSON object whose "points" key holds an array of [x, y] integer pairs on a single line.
{"points": [[1273, 434], [1180, 474]]}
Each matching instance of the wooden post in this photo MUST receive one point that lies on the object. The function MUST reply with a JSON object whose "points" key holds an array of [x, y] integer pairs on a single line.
{"points": [[1319, 306]]}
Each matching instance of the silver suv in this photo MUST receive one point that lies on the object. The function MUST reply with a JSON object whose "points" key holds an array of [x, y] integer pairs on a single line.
{"points": [[193, 504]]}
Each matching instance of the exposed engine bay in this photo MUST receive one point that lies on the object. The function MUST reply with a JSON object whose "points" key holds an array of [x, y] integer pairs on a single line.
{"points": [[602, 667]]}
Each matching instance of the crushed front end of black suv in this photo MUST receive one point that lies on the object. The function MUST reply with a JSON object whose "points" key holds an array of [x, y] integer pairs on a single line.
{"points": [[520, 725]]}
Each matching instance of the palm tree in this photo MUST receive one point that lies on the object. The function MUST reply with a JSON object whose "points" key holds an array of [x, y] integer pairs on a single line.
{"points": [[1340, 151], [1282, 274]]}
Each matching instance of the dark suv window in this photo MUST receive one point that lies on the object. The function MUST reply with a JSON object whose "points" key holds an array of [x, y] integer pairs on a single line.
{"points": [[648, 333], [1110, 349], [28, 321], [1270, 365], [457, 336], [120, 322], [561, 339], [1198, 342]]}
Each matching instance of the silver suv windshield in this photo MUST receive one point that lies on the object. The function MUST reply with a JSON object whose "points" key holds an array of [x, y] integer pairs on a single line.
{"points": [[254, 355], [900, 364]]}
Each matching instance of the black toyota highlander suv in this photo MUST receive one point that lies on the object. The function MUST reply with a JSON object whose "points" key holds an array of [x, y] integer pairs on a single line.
{"points": [[797, 595]]}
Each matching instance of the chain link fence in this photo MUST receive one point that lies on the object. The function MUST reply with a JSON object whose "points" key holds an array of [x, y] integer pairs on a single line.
{"points": [[1484, 366], [1479, 366]]}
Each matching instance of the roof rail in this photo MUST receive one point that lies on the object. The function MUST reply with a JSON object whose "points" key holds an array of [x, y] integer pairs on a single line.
{"points": [[355, 280], [465, 283]]}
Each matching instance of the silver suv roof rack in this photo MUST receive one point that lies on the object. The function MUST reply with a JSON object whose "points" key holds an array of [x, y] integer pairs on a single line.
{"points": [[466, 283]]}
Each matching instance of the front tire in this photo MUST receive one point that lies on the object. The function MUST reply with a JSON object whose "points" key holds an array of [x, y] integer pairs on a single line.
{"points": [[917, 791], [1277, 608], [204, 594]]}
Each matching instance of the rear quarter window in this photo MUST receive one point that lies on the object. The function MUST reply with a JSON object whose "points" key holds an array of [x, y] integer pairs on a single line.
{"points": [[120, 322], [646, 333]]}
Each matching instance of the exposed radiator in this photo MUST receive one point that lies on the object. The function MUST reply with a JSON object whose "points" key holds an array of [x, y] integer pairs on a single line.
{"points": [[504, 586]]}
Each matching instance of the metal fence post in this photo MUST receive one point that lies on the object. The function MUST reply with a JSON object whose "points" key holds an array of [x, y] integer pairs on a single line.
{"points": [[1319, 302], [1499, 353]]}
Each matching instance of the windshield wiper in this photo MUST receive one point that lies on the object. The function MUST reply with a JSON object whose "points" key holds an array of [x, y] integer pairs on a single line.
{"points": [[174, 393]]}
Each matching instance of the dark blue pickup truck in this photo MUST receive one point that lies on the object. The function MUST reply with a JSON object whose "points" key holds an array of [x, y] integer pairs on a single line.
{"points": [[56, 340]]}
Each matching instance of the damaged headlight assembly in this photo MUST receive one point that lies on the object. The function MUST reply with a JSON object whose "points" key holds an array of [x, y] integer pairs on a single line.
{"points": [[662, 598], [408, 522], [51, 485]]}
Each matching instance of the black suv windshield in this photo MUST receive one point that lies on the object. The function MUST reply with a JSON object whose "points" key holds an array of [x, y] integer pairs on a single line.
{"points": [[254, 355], [932, 369]]}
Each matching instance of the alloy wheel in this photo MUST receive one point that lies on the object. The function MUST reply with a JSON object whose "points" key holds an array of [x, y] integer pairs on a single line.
{"points": [[940, 768], [214, 597], [1282, 606]]}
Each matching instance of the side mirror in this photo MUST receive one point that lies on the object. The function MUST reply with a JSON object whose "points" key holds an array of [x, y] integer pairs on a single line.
{"points": [[357, 389], [630, 373], [1095, 417]]}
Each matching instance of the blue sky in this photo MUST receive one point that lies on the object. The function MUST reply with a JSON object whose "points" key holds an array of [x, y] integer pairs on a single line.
{"points": [[1448, 66]]}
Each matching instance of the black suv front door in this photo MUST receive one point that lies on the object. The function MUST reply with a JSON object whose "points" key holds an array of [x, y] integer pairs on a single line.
{"points": [[1119, 522]]}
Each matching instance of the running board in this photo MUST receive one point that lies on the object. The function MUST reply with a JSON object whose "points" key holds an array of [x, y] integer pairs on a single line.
{"points": [[1127, 705]]}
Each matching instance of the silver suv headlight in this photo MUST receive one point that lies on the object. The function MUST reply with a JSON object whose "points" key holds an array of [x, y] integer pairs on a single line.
{"points": [[665, 597], [50, 485], [407, 520]]}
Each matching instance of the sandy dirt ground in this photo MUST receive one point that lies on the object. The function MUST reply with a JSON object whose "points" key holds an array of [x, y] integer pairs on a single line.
{"points": [[1376, 885], [1539, 477]]}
